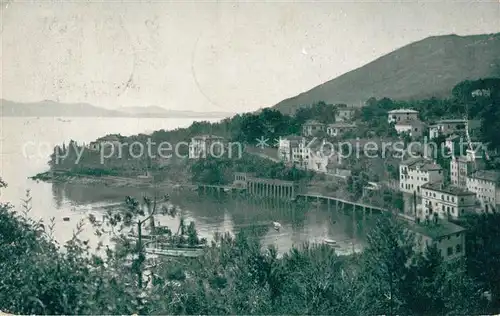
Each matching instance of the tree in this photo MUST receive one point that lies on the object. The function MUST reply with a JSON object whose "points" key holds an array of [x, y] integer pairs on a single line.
{"points": [[385, 268]]}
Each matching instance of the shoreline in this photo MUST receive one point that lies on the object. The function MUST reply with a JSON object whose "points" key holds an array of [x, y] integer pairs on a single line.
{"points": [[107, 180]]}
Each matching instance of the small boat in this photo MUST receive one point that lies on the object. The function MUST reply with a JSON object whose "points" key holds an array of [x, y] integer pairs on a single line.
{"points": [[276, 226], [329, 241]]}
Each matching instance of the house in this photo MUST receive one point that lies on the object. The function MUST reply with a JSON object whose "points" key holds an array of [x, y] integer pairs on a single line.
{"points": [[300, 155], [309, 157], [462, 166], [453, 126], [447, 201], [285, 147], [448, 238], [342, 173], [203, 146], [415, 172], [398, 115], [486, 185], [413, 128], [338, 129], [318, 161], [481, 93], [312, 127], [108, 141], [344, 113]]}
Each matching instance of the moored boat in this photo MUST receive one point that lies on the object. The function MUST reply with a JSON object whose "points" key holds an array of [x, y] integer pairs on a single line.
{"points": [[276, 226], [331, 242]]}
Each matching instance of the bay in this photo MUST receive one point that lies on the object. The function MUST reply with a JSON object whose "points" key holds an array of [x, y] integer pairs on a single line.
{"points": [[25, 146]]}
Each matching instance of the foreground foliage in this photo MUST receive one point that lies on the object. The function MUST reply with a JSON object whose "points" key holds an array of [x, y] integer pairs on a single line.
{"points": [[235, 276]]}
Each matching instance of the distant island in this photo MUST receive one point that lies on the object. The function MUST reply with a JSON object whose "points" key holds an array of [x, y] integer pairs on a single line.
{"points": [[49, 108]]}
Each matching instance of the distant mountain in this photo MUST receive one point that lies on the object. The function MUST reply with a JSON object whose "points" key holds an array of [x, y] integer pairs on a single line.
{"points": [[423, 69], [162, 112], [48, 108]]}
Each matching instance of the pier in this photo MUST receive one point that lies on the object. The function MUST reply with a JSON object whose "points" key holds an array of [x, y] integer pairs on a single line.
{"points": [[341, 202], [270, 188], [289, 191]]}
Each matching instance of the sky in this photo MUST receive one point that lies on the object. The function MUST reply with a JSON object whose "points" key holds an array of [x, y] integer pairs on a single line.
{"points": [[208, 56]]}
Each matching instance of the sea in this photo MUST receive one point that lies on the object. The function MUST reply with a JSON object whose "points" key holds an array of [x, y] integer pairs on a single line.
{"points": [[27, 142]]}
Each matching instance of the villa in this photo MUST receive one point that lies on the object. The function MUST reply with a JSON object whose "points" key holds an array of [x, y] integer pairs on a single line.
{"points": [[398, 115]]}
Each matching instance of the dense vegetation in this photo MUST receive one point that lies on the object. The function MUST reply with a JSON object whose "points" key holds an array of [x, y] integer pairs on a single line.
{"points": [[236, 275]]}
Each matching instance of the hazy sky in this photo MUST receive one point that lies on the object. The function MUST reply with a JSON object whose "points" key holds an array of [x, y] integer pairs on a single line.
{"points": [[208, 56]]}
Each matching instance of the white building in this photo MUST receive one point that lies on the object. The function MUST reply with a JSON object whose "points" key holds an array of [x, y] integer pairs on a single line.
{"points": [[300, 155], [398, 115], [337, 129], [110, 142], [318, 161], [413, 128], [453, 142], [447, 201], [462, 166], [448, 238], [453, 126], [312, 157], [203, 146], [416, 172], [486, 185], [481, 93], [285, 146], [344, 113], [312, 127]]}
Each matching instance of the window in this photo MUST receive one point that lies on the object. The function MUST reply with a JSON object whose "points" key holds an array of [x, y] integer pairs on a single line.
{"points": [[449, 251], [458, 249]]}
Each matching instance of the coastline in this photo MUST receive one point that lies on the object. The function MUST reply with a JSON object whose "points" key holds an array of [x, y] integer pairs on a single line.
{"points": [[107, 180]]}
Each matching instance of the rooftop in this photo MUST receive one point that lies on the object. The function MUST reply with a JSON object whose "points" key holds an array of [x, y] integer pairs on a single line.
{"points": [[421, 163], [429, 166], [207, 137], [342, 125], [402, 111], [451, 121], [488, 175], [449, 189], [313, 122], [435, 230], [412, 161], [293, 138]]}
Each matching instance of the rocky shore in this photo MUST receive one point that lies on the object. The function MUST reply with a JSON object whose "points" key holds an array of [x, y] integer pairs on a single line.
{"points": [[114, 181]]}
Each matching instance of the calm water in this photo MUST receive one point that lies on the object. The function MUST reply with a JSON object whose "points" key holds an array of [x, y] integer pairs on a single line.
{"points": [[25, 144]]}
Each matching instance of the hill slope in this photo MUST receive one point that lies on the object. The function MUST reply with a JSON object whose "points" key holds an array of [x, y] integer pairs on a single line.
{"points": [[430, 67]]}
